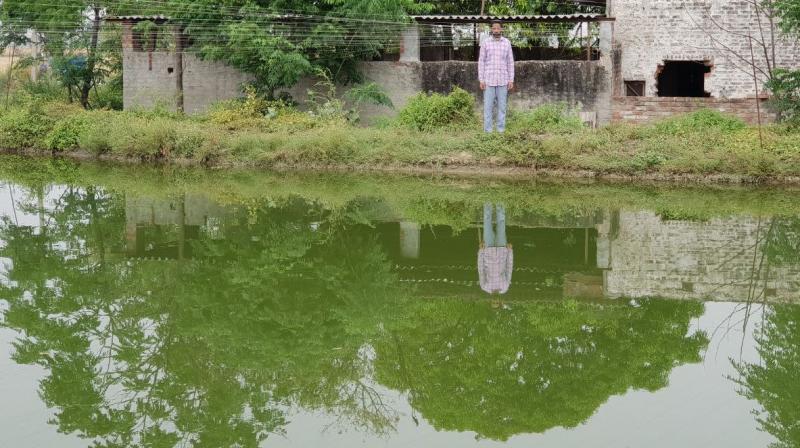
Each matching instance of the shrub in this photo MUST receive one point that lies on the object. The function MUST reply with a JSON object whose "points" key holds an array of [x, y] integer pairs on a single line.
{"points": [[700, 121], [247, 112], [428, 112], [108, 95], [23, 128], [546, 119], [785, 86], [68, 133]]}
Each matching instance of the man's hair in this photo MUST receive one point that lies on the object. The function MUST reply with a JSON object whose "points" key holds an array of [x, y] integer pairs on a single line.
{"points": [[496, 22]]}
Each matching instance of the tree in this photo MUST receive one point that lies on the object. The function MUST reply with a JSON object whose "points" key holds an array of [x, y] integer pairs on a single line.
{"points": [[467, 367], [775, 382], [68, 30]]}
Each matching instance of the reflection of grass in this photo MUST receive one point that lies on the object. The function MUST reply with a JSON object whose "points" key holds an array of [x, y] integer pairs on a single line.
{"points": [[704, 142], [441, 200]]}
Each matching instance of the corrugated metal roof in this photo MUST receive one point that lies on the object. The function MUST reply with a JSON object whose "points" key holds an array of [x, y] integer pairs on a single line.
{"points": [[517, 18], [156, 18]]}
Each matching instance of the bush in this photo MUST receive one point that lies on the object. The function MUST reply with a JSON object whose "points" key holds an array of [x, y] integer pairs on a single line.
{"points": [[108, 95], [785, 86], [546, 119], [67, 133], [700, 121], [24, 128], [428, 112]]}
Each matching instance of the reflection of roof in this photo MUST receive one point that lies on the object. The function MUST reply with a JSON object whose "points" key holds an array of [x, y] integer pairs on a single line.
{"points": [[518, 18]]}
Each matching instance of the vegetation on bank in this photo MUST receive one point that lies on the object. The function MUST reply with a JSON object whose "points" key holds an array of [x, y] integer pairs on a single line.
{"points": [[433, 131]]}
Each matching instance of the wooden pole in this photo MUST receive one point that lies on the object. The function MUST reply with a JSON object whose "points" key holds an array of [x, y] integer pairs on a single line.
{"points": [[10, 72], [588, 41], [179, 67], [755, 83]]}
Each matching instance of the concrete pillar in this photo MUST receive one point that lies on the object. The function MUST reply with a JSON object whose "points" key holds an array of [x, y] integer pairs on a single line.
{"points": [[606, 37], [409, 44], [604, 243], [409, 239], [604, 102]]}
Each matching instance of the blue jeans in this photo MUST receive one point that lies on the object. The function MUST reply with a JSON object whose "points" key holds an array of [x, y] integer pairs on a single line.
{"points": [[491, 237], [491, 95]]}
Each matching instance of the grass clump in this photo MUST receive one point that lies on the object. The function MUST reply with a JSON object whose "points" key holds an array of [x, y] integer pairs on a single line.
{"points": [[547, 119], [435, 111], [700, 121]]}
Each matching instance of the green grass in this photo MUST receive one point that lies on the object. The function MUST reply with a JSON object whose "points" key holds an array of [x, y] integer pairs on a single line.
{"points": [[550, 137]]}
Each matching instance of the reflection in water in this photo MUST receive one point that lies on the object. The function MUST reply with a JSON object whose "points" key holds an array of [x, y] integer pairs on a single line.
{"points": [[495, 255], [183, 321]]}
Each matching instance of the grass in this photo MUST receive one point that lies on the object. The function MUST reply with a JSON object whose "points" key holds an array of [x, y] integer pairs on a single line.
{"points": [[259, 134]]}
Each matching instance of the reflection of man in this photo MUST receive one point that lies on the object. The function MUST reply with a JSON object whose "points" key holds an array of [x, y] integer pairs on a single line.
{"points": [[495, 256]]}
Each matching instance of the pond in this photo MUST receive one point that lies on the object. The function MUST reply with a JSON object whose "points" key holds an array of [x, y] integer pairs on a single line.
{"points": [[173, 307]]}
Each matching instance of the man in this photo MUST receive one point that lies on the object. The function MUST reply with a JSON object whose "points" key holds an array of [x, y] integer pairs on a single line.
{"points": [[496, 75], [495, 255]]}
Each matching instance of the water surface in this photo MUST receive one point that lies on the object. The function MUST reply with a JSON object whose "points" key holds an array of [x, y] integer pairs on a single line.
{"points": [[168, 308]]}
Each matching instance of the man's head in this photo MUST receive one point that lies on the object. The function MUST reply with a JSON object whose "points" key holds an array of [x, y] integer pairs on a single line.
{"points": [[497, 29]]}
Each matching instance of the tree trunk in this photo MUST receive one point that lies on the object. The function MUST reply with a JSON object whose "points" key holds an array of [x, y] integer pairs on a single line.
{"points": [[88, 77]]}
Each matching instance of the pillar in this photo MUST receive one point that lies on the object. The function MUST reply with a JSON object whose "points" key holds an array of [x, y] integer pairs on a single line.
{"points": [[409, 44], [409, 239]]}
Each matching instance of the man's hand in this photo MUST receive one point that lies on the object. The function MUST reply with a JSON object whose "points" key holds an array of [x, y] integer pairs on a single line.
{"points": [[511, 85], [483, 86], [509, 246], [482, 245]]}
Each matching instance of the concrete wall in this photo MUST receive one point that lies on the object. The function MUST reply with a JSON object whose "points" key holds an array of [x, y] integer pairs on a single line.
{"points": [[649, 32], [644, 109], [585, 85], [150, 78], [719, 259]]}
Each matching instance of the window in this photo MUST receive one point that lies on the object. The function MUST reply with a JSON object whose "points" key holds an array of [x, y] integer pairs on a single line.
{"points": [[683, 78], [634, 88]]}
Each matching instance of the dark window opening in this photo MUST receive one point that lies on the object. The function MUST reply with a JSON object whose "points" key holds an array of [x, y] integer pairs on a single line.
{"points": [[683, 78], [170, 69], [634, 88]]}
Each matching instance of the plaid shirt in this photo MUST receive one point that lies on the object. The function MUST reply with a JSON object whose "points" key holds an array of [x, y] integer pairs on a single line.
{"points": [[495, 265], [496, 63]]}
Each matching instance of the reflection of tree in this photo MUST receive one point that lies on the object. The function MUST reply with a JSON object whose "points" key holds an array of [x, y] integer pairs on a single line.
{"points": [[297, 307], [204, 351], [536, 366], [775, 381]]}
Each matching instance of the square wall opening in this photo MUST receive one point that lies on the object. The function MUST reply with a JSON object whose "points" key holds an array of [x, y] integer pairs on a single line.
{"points": [[683, 78]]}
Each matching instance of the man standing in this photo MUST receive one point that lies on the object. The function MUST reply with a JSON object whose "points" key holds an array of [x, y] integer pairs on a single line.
{"points": [[496, 75]]}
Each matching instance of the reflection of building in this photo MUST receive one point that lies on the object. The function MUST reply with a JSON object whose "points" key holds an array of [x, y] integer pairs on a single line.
{"points": [[589, 255], [718, 259], [158, 228]]}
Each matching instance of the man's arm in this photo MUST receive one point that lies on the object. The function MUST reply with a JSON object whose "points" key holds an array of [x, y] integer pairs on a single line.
{"points": [[510, 65], [482, 66], [509, 268]]}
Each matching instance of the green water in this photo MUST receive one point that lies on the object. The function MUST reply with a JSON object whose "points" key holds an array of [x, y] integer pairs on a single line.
{"points": [[162, 307]]}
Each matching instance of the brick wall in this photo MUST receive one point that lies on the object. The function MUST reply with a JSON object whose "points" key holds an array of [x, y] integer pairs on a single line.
{"points": [[643, 109], [649, 32]]}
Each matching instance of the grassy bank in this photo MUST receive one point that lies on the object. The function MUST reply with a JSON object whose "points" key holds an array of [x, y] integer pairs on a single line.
{"points": [[253, 133]]}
